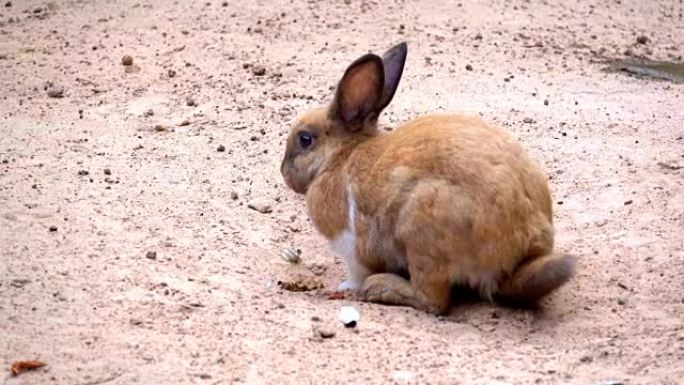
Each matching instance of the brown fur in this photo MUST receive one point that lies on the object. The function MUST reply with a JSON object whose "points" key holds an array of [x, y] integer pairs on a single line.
{"points": [[442, 200]]}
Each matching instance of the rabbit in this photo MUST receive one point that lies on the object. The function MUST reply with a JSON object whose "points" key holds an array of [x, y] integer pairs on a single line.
{"points": [[442, 201]]}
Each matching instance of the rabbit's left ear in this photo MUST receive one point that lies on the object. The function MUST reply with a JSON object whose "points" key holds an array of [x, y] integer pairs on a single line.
{"points": [[359, 92], [393, 62]]}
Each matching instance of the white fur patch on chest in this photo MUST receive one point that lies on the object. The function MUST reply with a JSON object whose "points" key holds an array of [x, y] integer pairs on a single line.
{"points": [[344, 246]]}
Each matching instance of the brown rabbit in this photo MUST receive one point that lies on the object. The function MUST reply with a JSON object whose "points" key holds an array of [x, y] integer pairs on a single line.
{"points": [[441, 201]]}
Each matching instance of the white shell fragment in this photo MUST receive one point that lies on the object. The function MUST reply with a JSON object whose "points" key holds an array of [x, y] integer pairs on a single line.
{"points": [[348, 316], [291, 256]]}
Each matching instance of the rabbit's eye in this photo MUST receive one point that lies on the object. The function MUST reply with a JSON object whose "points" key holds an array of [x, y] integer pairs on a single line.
{"points": [[305, 139]]}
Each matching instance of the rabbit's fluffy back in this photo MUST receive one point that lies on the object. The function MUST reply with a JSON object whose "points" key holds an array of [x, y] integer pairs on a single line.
{"points": [[447, 182]]}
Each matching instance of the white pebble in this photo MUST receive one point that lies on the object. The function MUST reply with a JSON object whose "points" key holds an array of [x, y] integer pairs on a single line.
{"points": [[348, 316]]}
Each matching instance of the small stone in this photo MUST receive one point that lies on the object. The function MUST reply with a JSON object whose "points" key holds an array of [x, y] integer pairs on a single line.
{"points": [[260, 205], [52, 228], [621, 302], [234, 195], [221, 148], [349, 316], [469, 67], [628, 202], [135, 321], [83, 172], [528, 120], [148, 113], [20, 282], [586, 359], [546, 102], [642, 39], [107, 171], [324, 332], [132, 69], [224, 4], [204, 376], [171, 73], [8, 4], [291, 256], [151, 255], [55, 92], [159, 128], [127, 60], [184, 123], [190, 101], [258, 70]]}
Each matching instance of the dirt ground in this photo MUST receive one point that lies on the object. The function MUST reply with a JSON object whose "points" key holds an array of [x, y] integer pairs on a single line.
{"points": [[129, 252]]}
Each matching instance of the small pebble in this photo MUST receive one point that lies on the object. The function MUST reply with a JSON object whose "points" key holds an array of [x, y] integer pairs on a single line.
{"points": [[628, 202], [190, 101], [324, 332], [55, 92], [349, 316], [234, 195], [127, 60], [151, 255], [258, 70], [291, 256], [20, 282], [528, 120], [83, 172], [260, 205], [159, 128], [52, 228], [642, 39], [8, 4], [107, 171], [171, 73], [221, 148]]}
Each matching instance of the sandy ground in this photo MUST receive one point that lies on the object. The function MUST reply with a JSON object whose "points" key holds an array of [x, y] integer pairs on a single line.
{"points": [[158, 271]]}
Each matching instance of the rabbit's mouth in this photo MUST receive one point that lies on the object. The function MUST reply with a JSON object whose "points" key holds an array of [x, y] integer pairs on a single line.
{"points": [[299, 188], [294, 184]]}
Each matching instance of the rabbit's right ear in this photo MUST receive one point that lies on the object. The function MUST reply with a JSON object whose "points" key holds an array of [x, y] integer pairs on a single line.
{"points": [[359, 92], [393, 61]]}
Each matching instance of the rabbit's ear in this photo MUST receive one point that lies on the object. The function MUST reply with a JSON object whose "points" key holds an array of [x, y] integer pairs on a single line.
{"points": [[359, 92], [393, 63]]}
